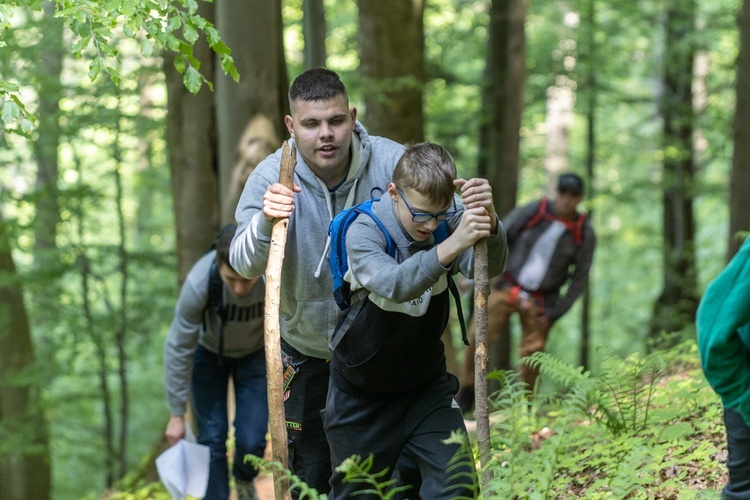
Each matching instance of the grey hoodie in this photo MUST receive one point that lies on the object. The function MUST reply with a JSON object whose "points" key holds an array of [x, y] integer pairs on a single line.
{"points": [[390, 338], [308, 313], [243, 332]]}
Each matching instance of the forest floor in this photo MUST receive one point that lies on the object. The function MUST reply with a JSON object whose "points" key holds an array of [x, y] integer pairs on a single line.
{"points": [[692, 479], [264, 486]]}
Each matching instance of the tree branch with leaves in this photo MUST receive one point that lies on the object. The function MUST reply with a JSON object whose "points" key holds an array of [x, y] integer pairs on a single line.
{"points": [[168, 25]]}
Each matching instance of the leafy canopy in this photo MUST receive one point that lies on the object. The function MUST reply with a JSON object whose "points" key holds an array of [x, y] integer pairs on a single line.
{"points": [[172, 25]]}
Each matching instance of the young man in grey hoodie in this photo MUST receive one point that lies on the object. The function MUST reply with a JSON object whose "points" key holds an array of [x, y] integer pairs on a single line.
{"points": [[338, 164]]}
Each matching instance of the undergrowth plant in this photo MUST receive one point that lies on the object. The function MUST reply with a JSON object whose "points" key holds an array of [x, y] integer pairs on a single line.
{"points": [[382, 484], [301, 489], [636, 429], [619, 396], [639, 428]]}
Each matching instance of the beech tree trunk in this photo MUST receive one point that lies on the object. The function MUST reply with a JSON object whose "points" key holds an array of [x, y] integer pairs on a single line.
{"points": [[505, 77], [592, 93], [391, 45], [48, 140], [253, 30], [191, 143], [314, 31], [24, 455], [739, 184], [675, 308], [499, 157]]}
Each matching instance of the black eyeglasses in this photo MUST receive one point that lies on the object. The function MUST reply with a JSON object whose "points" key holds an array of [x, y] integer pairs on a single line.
{"points": [[421, 217]]}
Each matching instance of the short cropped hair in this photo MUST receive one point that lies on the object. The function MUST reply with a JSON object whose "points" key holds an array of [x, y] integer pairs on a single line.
{"points": [[428, 169], [316, 84], [223, 241]]}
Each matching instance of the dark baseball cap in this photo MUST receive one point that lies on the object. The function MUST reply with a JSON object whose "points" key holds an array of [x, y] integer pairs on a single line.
{"points": [[570, 183]]}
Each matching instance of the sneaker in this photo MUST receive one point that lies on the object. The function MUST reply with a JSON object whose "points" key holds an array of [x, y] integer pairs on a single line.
{"points": [[245, 490]]}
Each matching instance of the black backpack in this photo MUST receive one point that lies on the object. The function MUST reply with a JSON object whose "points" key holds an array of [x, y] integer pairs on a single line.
{"points": [[215, 301]]}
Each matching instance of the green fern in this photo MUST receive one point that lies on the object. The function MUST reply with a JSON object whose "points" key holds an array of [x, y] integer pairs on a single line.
{"points": [[357, 470], [619, 397], [463, 465], [295, 483]]}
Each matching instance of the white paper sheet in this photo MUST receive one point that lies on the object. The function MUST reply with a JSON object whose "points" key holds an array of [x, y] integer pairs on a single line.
{"points": [[183, 467]]}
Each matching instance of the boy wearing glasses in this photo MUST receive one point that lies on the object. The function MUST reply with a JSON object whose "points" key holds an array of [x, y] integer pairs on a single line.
{"points": [[390, 391]]}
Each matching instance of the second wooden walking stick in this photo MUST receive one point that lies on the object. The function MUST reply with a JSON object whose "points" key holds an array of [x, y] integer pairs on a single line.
{"points": [[481, 293], [272, 334]]}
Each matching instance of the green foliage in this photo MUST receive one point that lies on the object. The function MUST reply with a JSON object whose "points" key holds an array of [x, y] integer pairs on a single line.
{"points": [[172, 25], [621, 392], [663, 441], [465, 455], [13, 109], [303, 491], [357, 470], [547, 447]]}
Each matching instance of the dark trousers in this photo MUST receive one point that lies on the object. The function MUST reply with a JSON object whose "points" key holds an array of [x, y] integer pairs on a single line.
{"points": [[738, 446], [209, 388], [305, 399], [415, 424]]}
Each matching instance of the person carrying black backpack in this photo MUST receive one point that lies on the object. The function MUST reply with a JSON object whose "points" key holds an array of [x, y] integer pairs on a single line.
{"points": [[217, 333]]}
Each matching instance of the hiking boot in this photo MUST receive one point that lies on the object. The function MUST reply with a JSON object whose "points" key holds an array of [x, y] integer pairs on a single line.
{"points": [[245, 490]]}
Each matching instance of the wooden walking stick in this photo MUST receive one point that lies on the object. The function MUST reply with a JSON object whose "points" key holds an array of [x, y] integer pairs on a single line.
{"points": [[481, 293], [272, 333]]}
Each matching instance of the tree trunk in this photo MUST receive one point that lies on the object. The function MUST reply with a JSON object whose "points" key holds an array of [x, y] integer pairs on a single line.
{"points": [[503, 101], [121, 321], [499, 158], [48, 140], [675, 307], [253, 30], [25, 457], [191, 142], [592, 91], [391, 44], [314, 32], [739, 185]]}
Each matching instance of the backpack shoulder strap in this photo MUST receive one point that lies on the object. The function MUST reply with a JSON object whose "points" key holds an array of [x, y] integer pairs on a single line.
{"points": [[578, 229], [366, 208], [216, 303], [540, 214], [440, 234]]}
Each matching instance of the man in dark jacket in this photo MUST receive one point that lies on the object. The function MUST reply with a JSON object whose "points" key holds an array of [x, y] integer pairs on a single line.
{"points": [[550, 245]]}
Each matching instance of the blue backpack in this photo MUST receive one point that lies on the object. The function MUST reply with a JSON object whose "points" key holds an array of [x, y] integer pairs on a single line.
{"points": [[340, 264]]}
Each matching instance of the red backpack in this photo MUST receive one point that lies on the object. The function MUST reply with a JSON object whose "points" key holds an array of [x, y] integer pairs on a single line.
{"points": [[575, 227]]}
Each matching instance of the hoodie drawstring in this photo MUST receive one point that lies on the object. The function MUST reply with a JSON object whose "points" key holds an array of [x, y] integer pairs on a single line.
{"points": [[349, 203]]}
